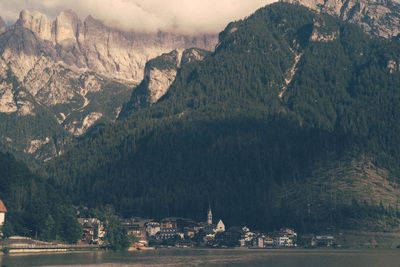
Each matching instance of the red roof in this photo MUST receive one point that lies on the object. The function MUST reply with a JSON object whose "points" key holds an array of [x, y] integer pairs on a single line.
{"points": [[2, 207]]}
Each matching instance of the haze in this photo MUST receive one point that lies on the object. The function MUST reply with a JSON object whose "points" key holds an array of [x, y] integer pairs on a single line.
{"points": [[186, 16]]}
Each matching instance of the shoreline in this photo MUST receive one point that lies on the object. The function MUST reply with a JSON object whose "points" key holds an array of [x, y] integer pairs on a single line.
{"points": [[242, 249]]}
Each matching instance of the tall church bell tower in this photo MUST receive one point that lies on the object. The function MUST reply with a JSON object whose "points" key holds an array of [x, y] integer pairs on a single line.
{"points": [[209, 215]]}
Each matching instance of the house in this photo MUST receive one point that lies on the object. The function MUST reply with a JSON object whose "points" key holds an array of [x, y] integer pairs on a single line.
{"points": [[247, 235], [93, 230], [220, 227], [283, 241], [323, 241], [3, 212], [167, 233], [285, 237], [169, 223], [210, 233], [189, 232], [152, 228], [260, 241], [268, 241], [136, 226]]}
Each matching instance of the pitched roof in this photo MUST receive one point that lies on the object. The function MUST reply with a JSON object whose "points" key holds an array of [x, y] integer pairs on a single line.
{"points": [[2, 207]]}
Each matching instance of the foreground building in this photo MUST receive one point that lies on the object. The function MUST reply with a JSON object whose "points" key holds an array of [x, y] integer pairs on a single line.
{"points": [[3, 212]]}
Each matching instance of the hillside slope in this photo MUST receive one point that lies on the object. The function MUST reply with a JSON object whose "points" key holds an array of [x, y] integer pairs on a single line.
{"points": [[285, 91], [34, 207]]}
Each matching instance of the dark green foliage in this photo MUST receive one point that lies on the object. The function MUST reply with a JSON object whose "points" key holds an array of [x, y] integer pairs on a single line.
{"points": [[116, 237], [222, 134], [34, 207], [17, 131], [165, 61]]}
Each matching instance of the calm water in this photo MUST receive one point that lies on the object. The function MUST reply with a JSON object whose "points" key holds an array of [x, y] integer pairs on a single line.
{"points": [[205, 257]]}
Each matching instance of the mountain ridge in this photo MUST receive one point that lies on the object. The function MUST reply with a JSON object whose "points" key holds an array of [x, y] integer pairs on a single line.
{"points": [[81, 42], [376, 17], [81, 73], [224, 132]]}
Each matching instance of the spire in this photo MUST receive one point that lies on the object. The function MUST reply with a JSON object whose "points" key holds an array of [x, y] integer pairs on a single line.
{"points": [[209, 215]]}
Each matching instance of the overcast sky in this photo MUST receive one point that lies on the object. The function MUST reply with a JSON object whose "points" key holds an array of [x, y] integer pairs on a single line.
{"points": [[144, 15]]}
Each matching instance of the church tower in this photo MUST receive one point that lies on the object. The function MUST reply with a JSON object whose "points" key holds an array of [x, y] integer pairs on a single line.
{"points": [[209, 215]]}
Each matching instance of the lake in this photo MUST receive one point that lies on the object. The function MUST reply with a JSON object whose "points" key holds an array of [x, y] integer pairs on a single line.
{"points": [[213, 257]]}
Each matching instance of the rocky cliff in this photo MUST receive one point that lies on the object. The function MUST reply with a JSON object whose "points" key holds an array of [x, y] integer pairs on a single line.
{"points": [[377, 17], [159, 74], [79, 72], [90, 44], [2, 25]]}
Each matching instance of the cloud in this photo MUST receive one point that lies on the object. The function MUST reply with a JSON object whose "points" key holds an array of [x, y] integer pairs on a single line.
{"points": [[144, 15]]}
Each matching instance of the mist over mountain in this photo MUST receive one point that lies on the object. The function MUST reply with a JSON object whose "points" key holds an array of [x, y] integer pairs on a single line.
{"points": [[178, 16]]}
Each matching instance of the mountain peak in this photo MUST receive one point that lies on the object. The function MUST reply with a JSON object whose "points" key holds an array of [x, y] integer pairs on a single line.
{"points": [[376, 17], [66, 27], [36, 22]]}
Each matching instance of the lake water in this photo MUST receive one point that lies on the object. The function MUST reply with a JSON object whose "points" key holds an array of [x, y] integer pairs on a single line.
{"points": [[214, 257]]}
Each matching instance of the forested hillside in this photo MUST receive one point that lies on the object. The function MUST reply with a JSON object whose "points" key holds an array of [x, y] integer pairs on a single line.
{"points": [[286, 92], [34, 207]]}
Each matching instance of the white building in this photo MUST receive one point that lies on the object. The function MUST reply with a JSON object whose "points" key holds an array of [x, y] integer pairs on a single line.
{"points": [[283, 241], [152, 228], [3, 211], [260, 242], [220, 227]]}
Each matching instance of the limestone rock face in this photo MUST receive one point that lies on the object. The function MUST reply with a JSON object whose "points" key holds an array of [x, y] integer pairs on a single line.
{"points": [[91, 45], [2, 25], [376, 17], [321, 34], [7, 101], [72, 74], [160, 73], [37, 23], [66, 28], [159, 82], [88, 121]]}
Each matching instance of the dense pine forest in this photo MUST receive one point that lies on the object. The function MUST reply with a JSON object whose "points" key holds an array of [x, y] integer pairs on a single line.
{"points": [[242, 131], [35, 208]]}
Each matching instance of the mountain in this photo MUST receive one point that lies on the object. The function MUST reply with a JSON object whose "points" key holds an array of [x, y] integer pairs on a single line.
{"points": [[91, 45], [159, 74], [376, 17], [67, 76], [291, 116]]}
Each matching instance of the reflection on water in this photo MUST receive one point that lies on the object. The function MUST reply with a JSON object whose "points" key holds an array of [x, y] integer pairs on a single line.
{"points": [[215, 257]]}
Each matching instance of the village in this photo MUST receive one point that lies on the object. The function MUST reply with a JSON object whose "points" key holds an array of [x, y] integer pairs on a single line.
{"points": [[186, 233], [147, 234]]}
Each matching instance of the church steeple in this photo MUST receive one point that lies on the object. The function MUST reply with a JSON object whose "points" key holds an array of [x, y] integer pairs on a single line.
{"points": [[209, 215]]}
